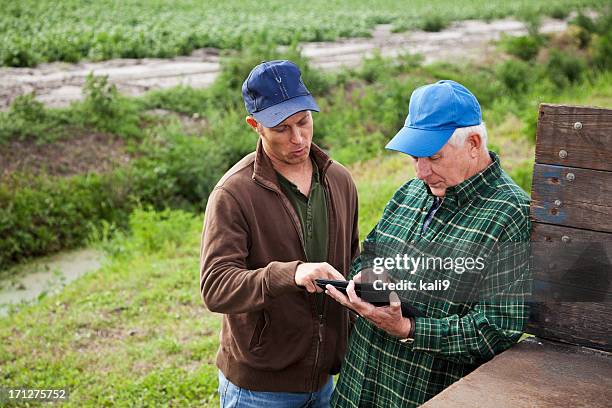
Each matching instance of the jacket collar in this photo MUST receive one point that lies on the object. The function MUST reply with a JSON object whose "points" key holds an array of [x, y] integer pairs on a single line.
{"points": [[467, 190], [263, 171]]}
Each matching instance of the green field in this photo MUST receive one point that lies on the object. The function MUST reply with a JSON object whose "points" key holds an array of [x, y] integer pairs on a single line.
{"points": [[49, 203], [33, 31], [136, 333]]}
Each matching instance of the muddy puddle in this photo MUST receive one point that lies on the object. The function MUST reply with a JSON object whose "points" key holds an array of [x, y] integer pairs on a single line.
{"points": [[31, 281]]}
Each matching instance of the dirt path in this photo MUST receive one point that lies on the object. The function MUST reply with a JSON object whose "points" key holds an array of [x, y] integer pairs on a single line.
{"points": [[58, 84]]}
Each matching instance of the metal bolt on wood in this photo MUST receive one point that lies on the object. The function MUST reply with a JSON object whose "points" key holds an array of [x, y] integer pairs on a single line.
{"points": [[558, 203], [570, 177], [565, 239], [578, 125], [562, 154]]}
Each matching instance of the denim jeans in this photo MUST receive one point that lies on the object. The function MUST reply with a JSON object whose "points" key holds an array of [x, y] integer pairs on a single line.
{"points": [[232, 396]]}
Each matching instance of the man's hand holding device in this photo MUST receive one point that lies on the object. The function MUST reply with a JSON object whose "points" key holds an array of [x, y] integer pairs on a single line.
{"points": [[307, 273], [394, 318]]}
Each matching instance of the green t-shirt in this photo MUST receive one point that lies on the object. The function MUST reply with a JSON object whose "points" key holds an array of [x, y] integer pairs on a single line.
{"points": [[312, 212]]}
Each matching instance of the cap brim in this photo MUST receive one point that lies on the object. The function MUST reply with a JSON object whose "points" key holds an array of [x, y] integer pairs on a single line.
{"points": [[275, 114], [419, 142]]}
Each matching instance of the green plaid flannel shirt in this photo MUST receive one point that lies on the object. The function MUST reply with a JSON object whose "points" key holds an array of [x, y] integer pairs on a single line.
{"points": [[454, 337]]}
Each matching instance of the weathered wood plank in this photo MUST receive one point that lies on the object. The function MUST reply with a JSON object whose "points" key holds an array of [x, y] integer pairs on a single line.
{"points": [[555, 233], [571, 264], [534, 373], [548, 291], [583, 323], [572, 197], [561, 141]]}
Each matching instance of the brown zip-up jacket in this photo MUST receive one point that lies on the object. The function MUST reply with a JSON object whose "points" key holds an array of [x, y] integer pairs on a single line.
{"points": [[272, 338]]}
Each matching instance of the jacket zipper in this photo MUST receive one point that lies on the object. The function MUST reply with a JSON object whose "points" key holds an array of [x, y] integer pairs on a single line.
{"points": [[322, 312], [321, 325]]}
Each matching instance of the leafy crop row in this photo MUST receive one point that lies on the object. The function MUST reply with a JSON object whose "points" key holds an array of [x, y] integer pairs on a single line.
{"points": [[35, 31]]}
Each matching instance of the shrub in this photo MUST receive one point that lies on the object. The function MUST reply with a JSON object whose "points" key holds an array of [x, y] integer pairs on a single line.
{"points": [[434, 23], [179, 172], [581, 36], [584, 22], [373, 68], [602, 42], [515, 75], [49, 215], [104, 109], [41, 215], [602, 52], [100, 96], [26, 118], [563, 68], [525, 47], [531, 18], [559, 12], [16, 51]]}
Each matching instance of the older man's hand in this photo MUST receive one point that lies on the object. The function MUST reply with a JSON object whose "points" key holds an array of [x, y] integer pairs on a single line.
{"points": [[388, 318]]}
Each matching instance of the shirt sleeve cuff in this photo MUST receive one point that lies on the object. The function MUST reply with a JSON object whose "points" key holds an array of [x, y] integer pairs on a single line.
{"points": [[412, 324], [427, 334]]}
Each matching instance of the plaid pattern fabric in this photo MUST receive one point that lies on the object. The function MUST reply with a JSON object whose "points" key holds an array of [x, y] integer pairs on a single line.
{"points": [[454, 337]]}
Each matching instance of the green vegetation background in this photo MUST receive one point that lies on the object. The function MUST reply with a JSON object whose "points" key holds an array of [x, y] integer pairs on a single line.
{"points": [[136, 332], [33, 31]]}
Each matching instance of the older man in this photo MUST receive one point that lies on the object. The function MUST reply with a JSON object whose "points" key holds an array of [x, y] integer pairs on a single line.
{"points": [[282, 217], [461, 197]]}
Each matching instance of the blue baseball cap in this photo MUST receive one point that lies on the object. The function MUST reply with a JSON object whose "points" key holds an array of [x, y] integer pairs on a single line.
{"points": [[274, 90], [435, 111]]}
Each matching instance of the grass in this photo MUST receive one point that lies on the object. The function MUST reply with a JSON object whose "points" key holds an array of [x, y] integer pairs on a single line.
{"points": [[32, 31], [361, 109], [133, 334], [136, 332]]}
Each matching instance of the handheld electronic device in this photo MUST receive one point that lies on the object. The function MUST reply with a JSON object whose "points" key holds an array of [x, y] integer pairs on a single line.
{"points": [[368, 293]]}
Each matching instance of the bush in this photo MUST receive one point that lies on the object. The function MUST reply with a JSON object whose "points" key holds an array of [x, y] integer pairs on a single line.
{"points": [[564, 69], [434, 23], [525, 47], [531, 18], [104, 109], [581, 36], [602, 52], [26, 118], [559, 12], [16, 51], [515, 75], [179, 172], [44, 215], [49, 215], [602, 42], [584, 22]]}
